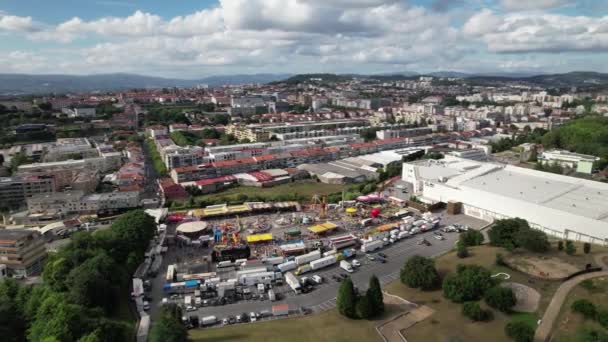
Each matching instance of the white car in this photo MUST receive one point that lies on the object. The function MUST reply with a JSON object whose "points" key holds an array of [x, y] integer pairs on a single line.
{"points": [[253, 317], [438, 237], [317, 279], [190, 308], [356, 263]]}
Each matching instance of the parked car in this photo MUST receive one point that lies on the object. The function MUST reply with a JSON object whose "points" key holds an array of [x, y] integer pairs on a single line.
{"points": [[317, 279], [225, 321], [356, 263], [438, 237], [190, 308], [382, 255], [370, 257], [253, 317]]}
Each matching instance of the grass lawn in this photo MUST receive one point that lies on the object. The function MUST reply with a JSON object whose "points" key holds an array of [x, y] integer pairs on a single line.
{"points": [[447, 323], [302, 190], [328, 326], [568, 324]]}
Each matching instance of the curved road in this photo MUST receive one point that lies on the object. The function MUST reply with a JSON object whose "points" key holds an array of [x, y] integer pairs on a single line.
{"points": [[543, 332]]}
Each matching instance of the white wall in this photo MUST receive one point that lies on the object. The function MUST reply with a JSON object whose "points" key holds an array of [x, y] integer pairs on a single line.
{"points": [[550, 220]]}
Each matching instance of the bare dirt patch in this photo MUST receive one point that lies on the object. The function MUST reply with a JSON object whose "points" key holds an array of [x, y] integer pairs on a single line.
{"points": [[542, 267]]}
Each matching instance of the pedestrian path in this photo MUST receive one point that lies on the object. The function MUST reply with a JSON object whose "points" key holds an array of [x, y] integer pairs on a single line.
{"points": [[543, 331]]}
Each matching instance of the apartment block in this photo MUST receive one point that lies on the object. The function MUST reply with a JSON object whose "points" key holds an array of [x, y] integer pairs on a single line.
{"points": [[22, 251]]}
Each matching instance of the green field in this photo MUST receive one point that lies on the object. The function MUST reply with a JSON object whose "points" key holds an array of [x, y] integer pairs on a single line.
{"points": [[301, 191], [325, 327]]}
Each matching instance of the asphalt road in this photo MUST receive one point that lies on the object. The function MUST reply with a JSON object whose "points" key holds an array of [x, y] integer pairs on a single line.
{"points": [[323, 297]]}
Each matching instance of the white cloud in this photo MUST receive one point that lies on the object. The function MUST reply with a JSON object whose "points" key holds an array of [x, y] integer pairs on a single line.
{"points": [[15, 23], [305, 35], [519, 33], [524, 5]]}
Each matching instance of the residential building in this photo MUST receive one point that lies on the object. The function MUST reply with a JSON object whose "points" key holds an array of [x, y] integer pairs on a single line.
{"points": [[15, 190], [583, 163], [22, 251]]}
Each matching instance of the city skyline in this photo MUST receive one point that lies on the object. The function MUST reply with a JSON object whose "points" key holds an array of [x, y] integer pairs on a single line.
{"points": [[195, 39]]}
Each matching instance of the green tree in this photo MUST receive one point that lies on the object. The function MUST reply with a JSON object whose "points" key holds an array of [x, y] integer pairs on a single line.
{"points": [[93, 283], [375, 296], [474, 312], [533, 240], [346, 300], [500, 298], [570, 248], [471, 238], [461, 250], [364, 307], [469, 283], [519, 331], [585, 308], [168, 327], [500, 260], [420, 272]]}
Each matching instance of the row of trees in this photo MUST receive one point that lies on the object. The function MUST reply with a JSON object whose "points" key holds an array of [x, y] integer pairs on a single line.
{"points": [[157, 161], [368, 305], [84, 283]]}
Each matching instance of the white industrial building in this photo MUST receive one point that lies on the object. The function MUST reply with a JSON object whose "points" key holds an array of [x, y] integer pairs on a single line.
{"points": [[565, 207]]}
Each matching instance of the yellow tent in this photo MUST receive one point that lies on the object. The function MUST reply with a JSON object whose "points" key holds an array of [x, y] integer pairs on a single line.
{"points": [[259, 238]]}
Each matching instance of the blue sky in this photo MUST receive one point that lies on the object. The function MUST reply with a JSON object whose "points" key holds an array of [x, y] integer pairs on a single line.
{"points": [[191, 39]]}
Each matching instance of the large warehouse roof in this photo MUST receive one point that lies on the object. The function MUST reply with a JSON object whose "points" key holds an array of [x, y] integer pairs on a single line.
{"points": [[554, 201]]}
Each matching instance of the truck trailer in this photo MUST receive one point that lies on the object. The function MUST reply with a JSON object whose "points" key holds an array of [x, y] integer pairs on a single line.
{"points": [[372, 246], [323, 262], [287, 266], [293, 282], [306, 258]]}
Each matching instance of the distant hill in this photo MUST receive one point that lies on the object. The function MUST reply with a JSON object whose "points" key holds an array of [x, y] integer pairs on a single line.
{"points": [[18, 84], [576, 78]]}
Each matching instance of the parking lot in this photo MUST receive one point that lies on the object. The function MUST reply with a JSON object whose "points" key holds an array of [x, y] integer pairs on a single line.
{"points": [[323, 295]]}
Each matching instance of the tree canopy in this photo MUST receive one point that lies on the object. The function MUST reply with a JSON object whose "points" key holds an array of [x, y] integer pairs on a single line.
{"points": [[420, 272], [83, 282], [469, 283], [168, 327], [513, 233]]}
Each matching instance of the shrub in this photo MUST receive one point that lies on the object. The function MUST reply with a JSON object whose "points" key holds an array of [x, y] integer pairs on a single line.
{"points": [[570, 248], [471, 238], [420, 273], [584, 307], [501, 298], [519, 331], [474, 312], [461, 250], [500, 260], [588, 284], [601, 316], [587, 248], [560, 245]]}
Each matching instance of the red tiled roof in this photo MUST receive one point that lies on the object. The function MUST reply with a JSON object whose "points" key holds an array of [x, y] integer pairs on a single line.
{"points": [[210, 181]]}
